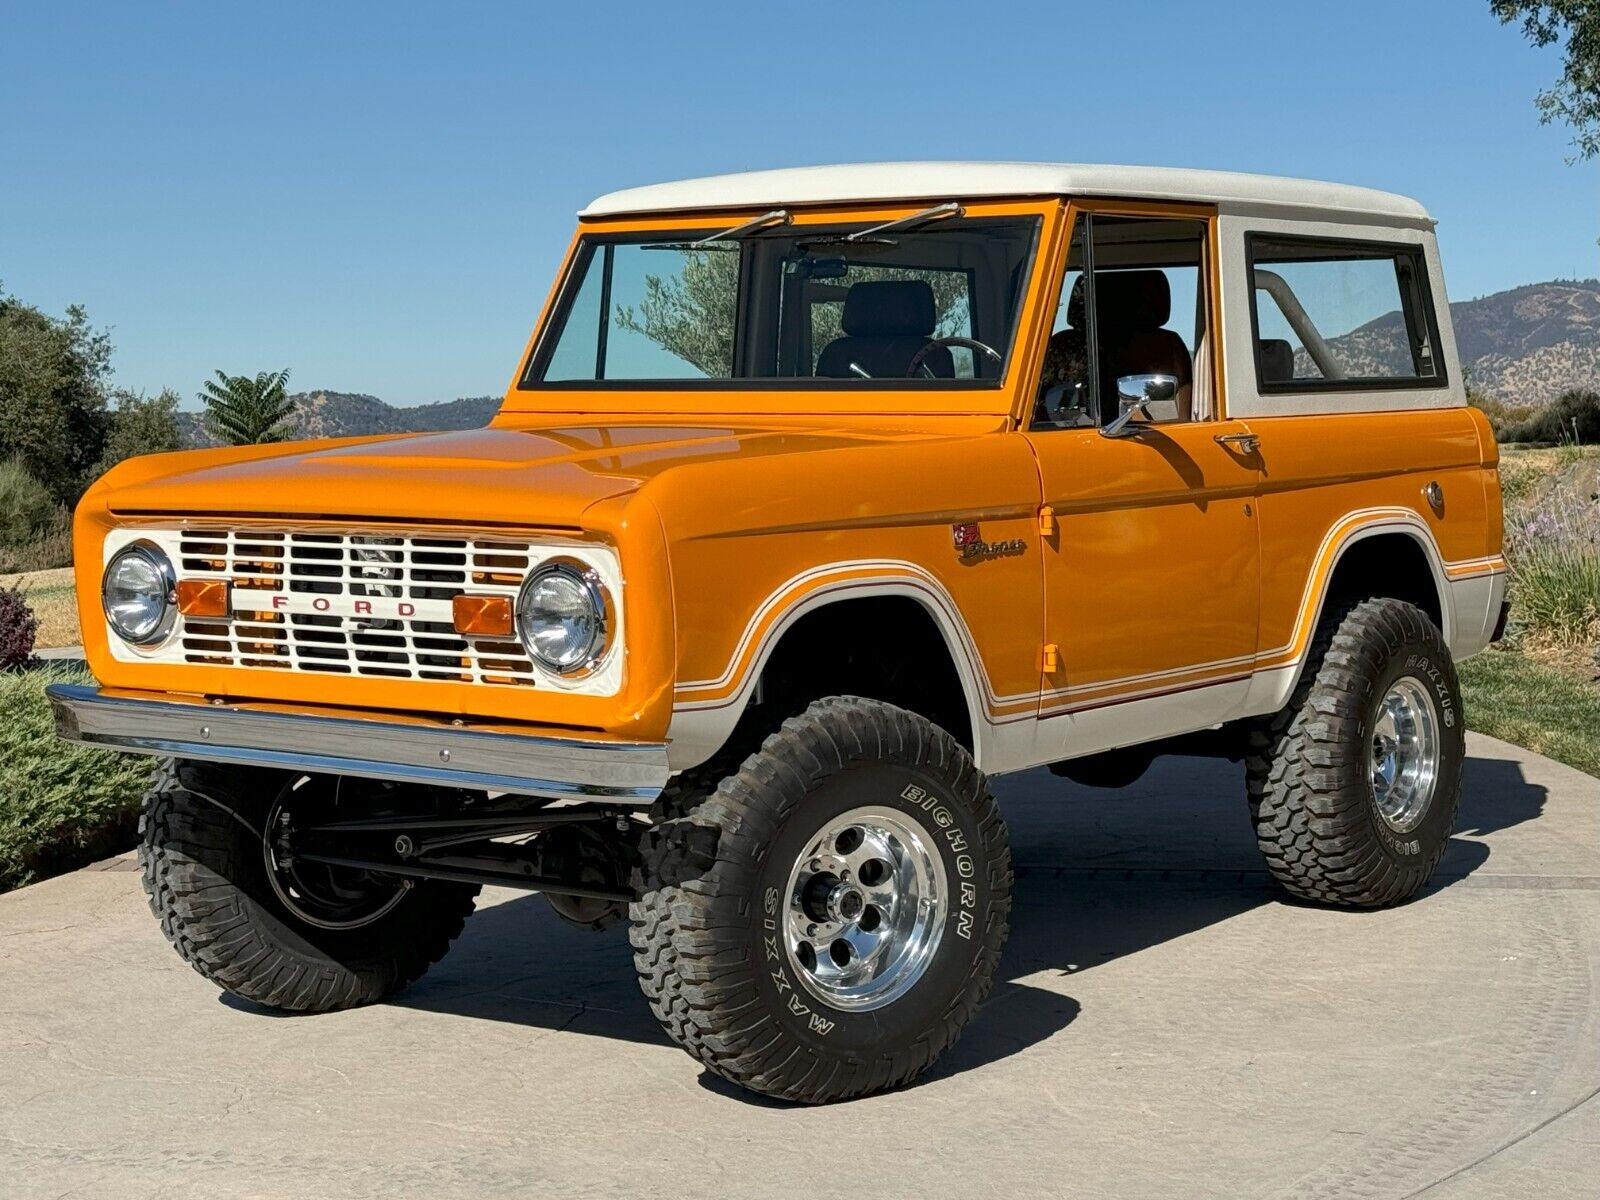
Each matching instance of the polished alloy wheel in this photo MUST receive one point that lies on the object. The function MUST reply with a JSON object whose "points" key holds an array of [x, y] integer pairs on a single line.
{"points": [[1405, 753], [866, 909]]}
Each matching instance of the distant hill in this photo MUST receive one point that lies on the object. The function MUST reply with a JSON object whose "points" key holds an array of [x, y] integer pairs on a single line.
{"points": [[1524, 346], [348, 414], [1530, 344]]}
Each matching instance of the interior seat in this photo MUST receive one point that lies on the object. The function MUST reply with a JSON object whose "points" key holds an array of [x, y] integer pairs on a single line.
{"points": [[1276, 357], [886, 322], [1131, 307]]}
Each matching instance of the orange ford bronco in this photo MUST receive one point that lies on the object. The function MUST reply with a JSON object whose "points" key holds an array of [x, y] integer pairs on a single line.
{"points": [[819, 497]]}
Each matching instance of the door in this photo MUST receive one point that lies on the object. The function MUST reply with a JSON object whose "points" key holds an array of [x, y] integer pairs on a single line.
{"points": [[1152, 564]]}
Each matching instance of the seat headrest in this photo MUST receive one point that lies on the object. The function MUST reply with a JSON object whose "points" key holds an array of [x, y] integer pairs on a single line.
{"points": [[1277, 360], [888, 308], [1075, 317], [1124, 300]]}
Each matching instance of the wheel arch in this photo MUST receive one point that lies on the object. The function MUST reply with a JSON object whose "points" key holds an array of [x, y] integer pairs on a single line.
{"points": [[1393, 556], [700, 728]]}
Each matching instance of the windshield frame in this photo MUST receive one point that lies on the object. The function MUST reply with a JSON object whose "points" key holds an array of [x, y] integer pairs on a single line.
{"points": [[788, 395]]}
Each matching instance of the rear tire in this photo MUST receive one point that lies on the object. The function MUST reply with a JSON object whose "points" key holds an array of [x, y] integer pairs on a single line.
{"points": [[870, 828], [1354, 786], [206, 873]]}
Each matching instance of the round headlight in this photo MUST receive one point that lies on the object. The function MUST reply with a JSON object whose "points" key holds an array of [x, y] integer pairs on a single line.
{"points": [[564, 617], [137, 594]]}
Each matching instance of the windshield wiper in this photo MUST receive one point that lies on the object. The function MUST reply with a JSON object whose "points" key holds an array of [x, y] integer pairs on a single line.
{"points": [[938, 212], [778, 216]]}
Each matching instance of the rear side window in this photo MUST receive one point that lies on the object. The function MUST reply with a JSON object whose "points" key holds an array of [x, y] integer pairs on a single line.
{"points": [[1341, 316]]}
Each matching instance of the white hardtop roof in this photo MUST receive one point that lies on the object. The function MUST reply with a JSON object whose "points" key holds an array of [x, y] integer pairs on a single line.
{"points": [[853, 183]]}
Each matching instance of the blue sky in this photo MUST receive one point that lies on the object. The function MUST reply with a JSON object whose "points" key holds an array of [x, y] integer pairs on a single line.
{"points": [[377, 196]]}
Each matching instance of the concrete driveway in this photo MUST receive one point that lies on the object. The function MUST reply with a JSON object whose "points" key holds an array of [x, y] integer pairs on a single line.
{"points": [[1166, 1025]]}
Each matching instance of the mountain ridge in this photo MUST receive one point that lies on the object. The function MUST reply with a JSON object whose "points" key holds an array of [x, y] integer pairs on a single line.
{"points": [[1523, 346]]}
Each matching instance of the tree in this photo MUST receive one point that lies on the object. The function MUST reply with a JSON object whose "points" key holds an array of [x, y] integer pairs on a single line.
{"points": [[53, 395], [27, 508], [141, 425], [241, 411], [691, 314], [1575, 98]]}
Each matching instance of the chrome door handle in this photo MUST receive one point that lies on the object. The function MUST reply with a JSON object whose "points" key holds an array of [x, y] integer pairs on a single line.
{"points": [[1245, 443]]}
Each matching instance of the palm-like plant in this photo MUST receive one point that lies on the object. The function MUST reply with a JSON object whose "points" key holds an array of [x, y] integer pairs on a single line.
{"points": [[241, 411]]}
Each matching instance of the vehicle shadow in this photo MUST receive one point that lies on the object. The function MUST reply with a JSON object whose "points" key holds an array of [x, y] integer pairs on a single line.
{"points": [[1495, 796], [1100, 875]]}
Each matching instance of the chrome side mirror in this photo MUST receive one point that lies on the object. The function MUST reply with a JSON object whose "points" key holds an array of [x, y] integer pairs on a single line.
{"points": [[1135, 393]]}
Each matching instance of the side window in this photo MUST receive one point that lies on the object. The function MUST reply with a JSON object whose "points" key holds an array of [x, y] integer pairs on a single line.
{"points": [[608, 332], [1131, 322], [1341, 316]]}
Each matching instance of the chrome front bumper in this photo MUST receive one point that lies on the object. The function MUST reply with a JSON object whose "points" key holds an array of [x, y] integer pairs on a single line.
{"points": [[403, 750]]}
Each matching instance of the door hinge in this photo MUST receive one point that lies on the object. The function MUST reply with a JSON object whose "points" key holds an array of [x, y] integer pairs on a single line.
{"points": [[1047, 521], [1052, 658]]}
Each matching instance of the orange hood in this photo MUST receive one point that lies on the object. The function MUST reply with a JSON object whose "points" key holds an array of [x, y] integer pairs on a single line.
{"points": [[499, 475]]}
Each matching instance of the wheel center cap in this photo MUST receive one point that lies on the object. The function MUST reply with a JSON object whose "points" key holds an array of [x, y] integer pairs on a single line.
{"points": [[845, 902]]}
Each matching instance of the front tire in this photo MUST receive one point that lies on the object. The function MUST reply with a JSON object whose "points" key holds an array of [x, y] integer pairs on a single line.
{"points": [[1354, 786], [253, 925], [825, 922]]}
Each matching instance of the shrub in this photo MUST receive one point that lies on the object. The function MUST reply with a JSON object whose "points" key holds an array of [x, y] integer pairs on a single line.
{"points": [[61, 805], [1574, 418], [49, 550], [1554, 556], [27, 509], [18, 627], [1501, 415], [1556, 589]]}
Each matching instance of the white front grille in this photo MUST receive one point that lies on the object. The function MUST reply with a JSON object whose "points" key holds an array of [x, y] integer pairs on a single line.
{"points": [[382, 569]]}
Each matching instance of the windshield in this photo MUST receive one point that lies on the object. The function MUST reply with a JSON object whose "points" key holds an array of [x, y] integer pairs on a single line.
{"points": [[929, 307]]}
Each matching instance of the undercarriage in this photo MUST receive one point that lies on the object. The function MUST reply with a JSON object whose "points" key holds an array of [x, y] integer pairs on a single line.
{"points": [[329, 839]]}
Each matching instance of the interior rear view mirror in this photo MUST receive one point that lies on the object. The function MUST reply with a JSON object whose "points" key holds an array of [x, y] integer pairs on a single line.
{"points": [[810, 267]]}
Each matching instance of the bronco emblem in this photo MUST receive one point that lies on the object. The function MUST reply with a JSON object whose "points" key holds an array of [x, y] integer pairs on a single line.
{"points": [[971, 547]]}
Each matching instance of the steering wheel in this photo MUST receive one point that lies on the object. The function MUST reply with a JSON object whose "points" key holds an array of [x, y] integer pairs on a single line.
{"points": [[919, 359]]}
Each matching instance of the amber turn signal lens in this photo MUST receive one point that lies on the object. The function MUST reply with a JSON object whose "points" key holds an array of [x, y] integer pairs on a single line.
{"points": [[484, 616], [203, 597]]}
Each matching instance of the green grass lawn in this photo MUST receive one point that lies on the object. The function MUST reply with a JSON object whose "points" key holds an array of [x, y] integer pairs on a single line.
{"points": [[1521, 700]]}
